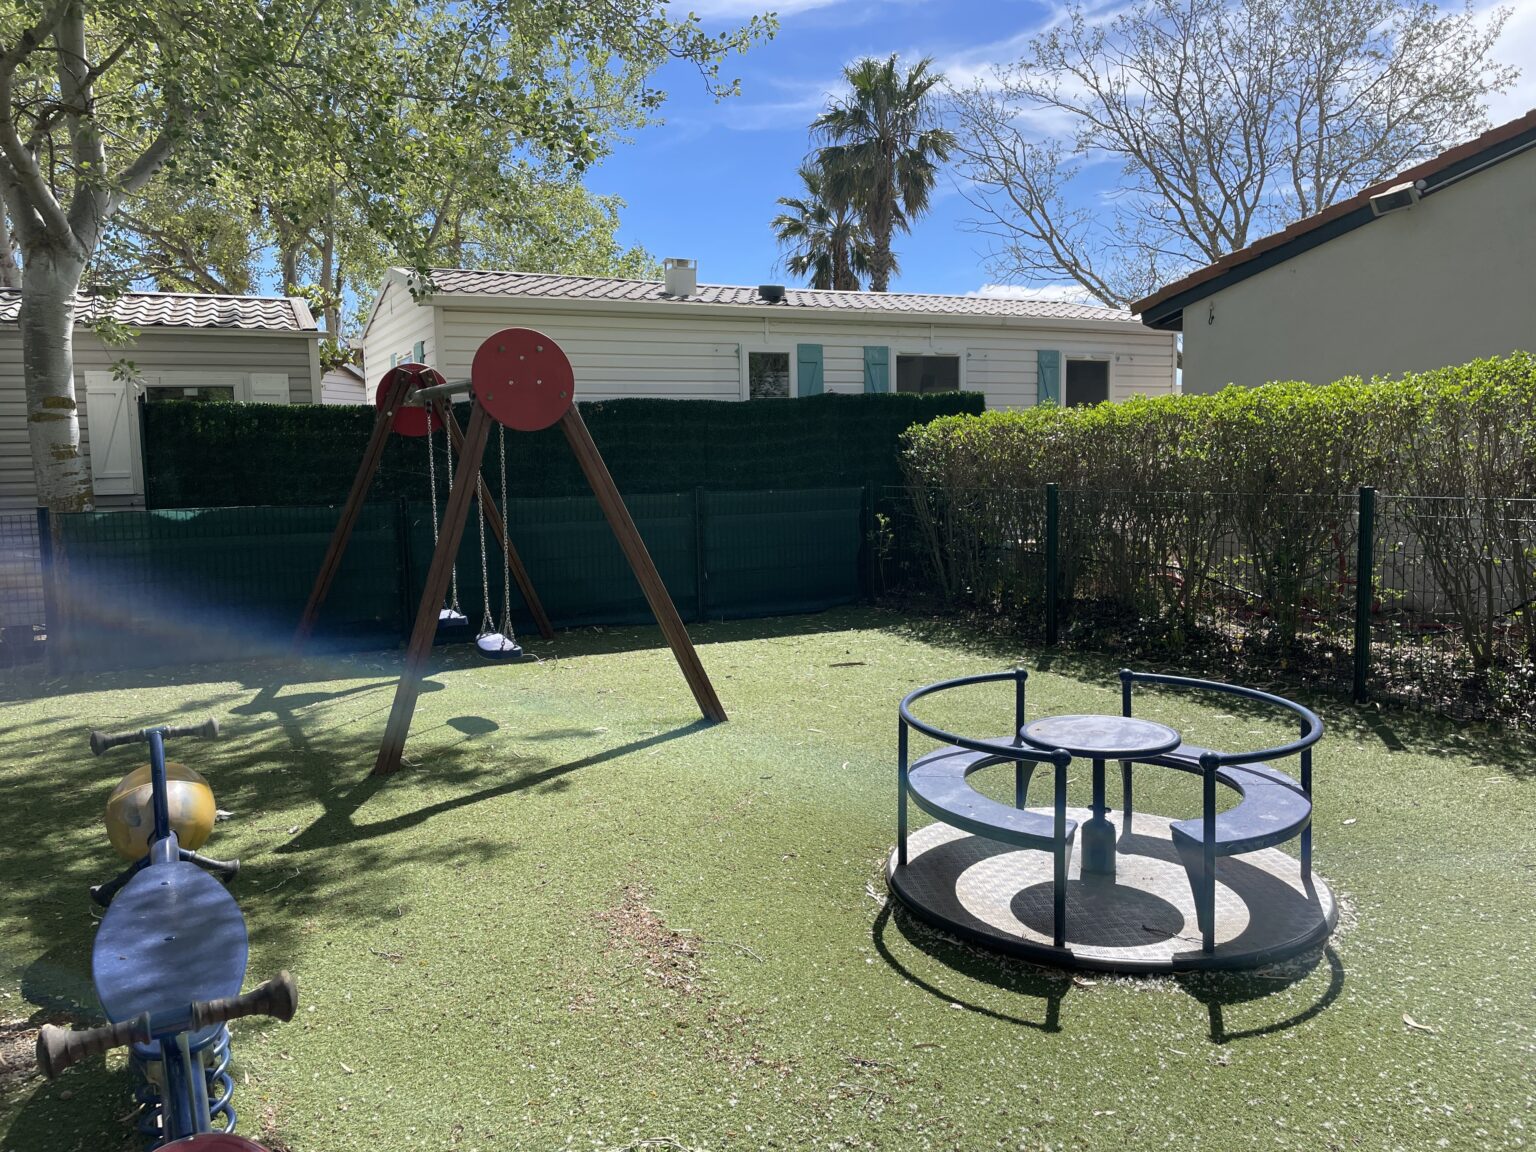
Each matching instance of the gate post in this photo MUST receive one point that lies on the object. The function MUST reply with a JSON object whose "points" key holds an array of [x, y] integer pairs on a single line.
{"points": [[1365, 590], [1052, 557]]}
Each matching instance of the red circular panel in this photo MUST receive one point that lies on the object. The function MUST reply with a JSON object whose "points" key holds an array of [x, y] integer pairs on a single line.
{"points": [[523, 379], [410, 420], [214, 1142]]}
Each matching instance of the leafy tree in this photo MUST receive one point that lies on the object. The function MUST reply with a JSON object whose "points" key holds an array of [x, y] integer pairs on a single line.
{"points": [[882, 150], [825, 239], [345, 119], [1229, 119]]}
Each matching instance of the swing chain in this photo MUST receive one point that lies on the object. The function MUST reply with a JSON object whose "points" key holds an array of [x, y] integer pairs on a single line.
{"points": [[453, 598], [486, 625]]}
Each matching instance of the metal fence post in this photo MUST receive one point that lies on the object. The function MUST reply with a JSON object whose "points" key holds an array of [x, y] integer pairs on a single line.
{"points": [[1365, 590], [701, 567], [1052, 553]]}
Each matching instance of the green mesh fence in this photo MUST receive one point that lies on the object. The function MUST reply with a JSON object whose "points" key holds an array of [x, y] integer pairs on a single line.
{"points": [[206, 584]]}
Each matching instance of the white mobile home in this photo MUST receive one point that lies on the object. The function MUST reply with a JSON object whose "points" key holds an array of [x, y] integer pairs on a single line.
{"points": [[245, 349], [680, 339]]}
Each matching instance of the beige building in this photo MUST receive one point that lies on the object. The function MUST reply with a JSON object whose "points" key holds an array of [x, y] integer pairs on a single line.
{"points": [[701, 341], [1436, 266], [244, 349]]}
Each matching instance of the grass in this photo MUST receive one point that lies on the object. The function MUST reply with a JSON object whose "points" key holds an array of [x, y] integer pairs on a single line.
{"points": [[579, 918]]}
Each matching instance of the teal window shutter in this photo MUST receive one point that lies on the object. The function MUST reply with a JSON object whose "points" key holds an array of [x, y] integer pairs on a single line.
{"points": [[393, 359], [877, 368], [808, 360], [1049, 388], [419, 352]]}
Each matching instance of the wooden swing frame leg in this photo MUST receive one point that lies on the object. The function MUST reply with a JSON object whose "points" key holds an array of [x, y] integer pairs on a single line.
{"points": [[499, 529], [640, 562], [383, 425], [465, 481]]}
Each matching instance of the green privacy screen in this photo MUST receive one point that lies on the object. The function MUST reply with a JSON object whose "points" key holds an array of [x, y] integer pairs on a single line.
{"points": [[236, 455], [226, 583]]}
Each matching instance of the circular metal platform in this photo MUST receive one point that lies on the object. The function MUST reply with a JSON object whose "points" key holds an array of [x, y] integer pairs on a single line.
{"points": [[1142, 920]]}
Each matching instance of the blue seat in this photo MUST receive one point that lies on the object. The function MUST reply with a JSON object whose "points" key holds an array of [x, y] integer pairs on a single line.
{"points": [[172, 936], [1273, 808], [940, 784]]}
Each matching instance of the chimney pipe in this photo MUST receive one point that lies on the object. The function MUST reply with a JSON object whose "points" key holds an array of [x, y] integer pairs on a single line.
{"points": [[682, 276]]}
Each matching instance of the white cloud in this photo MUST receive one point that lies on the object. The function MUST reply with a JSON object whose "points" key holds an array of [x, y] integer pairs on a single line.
{"points": [[1051, 293]]}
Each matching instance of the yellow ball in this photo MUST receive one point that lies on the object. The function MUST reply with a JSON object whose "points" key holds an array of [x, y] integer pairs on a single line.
{"points": [[130, 815]]}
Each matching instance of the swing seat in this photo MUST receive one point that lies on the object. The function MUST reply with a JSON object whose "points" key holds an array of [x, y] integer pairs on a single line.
{"points": [[448, 618], [495, 646]]}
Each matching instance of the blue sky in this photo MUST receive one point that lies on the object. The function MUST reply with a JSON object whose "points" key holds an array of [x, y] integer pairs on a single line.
{"points": [[704, 184]]}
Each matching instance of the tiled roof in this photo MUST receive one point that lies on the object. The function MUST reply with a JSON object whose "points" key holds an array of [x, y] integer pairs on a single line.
{"points": [[1509, 134], [468, 281], [185, 310]]}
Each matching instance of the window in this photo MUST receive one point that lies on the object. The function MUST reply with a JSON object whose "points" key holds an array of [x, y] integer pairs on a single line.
{"points": [[1087, 382], [216, 395], [924, 374], [768, 376]]}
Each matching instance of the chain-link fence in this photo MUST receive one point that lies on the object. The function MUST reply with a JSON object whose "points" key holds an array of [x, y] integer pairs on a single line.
{"points": [[1248, 585], [23, 613], [229, 583]]}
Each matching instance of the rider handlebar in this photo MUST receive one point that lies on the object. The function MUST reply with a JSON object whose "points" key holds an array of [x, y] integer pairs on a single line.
{"points": [[102, 741], [58, 1048], [277, 997]]}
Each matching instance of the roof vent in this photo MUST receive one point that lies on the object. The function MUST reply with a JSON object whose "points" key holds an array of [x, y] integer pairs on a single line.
{"points": [[1397, 197], [771, 293], [682, 276]]}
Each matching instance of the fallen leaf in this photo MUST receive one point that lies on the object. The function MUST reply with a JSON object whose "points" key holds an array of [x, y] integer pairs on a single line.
{"points": [[1081, 982], [1416, 1026], [1348, 822]]}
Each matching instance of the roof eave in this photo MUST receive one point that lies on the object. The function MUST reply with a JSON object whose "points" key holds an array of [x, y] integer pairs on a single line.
{"points": [[671, 307]]}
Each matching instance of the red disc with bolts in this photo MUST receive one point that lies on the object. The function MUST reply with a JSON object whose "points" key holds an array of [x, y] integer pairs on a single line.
{"points": [[523, 379], [410, 420], [214, 1142]]}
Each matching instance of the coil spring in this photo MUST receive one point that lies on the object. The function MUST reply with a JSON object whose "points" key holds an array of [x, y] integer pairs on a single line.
{"points": [[148, 1093]]}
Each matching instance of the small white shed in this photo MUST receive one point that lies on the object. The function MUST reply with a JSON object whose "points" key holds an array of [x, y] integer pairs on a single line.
{"points": [[242, 349], [636, 338]]}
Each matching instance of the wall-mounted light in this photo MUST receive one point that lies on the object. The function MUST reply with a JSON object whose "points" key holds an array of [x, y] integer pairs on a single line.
{"points": [[1397, 197]]}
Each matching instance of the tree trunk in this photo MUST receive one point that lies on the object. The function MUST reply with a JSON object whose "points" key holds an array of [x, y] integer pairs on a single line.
{"points": [[10, 272], [880, 274], [47, 323]]}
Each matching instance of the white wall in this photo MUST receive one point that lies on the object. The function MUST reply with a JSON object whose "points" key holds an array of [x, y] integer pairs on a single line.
{"points": [[698, 355], [181, 355], [397, 324], [1449, 280]]}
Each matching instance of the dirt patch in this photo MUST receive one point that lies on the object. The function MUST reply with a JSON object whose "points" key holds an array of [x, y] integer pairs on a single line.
{"points": [[18, 1047], [668, 959]]}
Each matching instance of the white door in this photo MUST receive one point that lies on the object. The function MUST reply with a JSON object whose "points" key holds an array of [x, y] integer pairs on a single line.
{"points": [[112, 421]]}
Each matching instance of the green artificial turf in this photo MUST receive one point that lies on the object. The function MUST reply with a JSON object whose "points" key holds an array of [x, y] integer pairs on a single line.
{"points": [[580, 918]]}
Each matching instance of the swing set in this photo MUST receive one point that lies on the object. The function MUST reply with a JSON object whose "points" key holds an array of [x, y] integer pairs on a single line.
{"points": [[519, 379]]}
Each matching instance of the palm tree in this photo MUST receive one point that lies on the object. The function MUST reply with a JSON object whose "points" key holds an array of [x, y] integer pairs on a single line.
{"points": [[825, 237], [882, 150]]}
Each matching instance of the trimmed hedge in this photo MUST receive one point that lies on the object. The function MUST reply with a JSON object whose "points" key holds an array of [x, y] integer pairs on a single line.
{"points": [[221, 455], [1468, 430]]}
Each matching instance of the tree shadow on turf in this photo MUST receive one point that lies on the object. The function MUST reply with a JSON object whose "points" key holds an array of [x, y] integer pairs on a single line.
{"points": [[337, 825]]}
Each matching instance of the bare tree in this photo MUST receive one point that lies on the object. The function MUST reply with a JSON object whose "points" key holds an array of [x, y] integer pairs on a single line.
{"points": [[1229, 119]]}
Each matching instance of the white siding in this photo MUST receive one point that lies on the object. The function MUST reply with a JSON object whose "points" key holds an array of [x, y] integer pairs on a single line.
{"points": [[397, 325], [338, 387], [698, 355], [185, 352]]}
